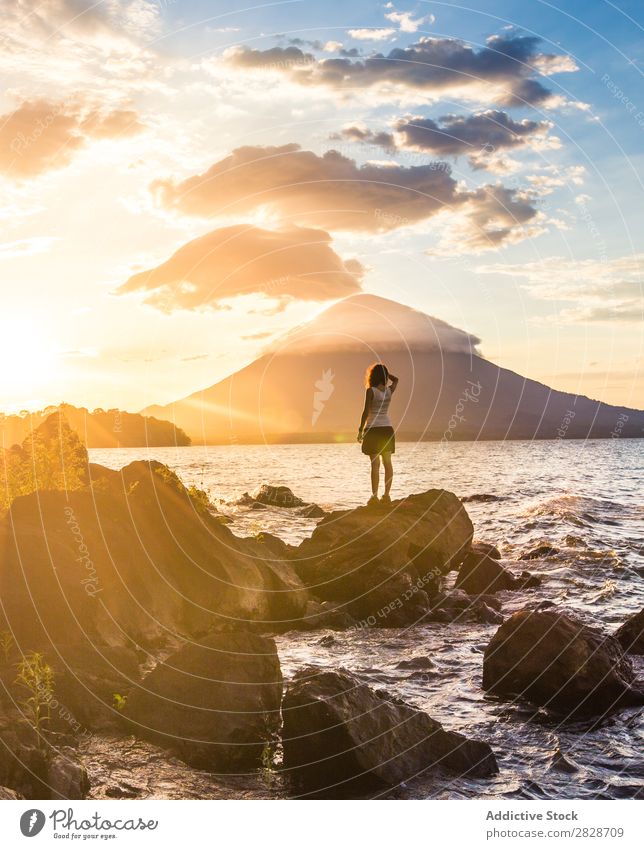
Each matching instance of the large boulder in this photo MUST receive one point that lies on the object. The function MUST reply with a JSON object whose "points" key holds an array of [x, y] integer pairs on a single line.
{"points": [[482, 573], [385, 563], [134, 558], [631, 633], [554, 660], [340, 734], [215, 703]]}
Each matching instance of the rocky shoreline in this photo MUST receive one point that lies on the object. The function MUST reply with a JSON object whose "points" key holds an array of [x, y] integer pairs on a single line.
{"points": [[158, 624]]}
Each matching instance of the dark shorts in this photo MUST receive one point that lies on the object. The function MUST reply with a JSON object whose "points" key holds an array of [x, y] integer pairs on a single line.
{"points": [[379, 440]]}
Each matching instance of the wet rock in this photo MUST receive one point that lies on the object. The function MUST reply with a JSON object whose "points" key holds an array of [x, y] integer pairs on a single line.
{"points": [[215, 703], [460, 607], [328, 640], [423, 662], [277, 496], [631, 634], [339, 733], [385, 563], [539, 552], [483, 497], [556, 661], [480, 573], [560, 763], [486, 548]]}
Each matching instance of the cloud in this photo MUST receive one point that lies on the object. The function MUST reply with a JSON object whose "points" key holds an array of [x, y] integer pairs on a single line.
{"points": [[41, 135], [378, 323], [480, 136], [607, 291], [335, 193], [371, 34], [491, 217], [293, 263], [503, 72], [406, 20]]}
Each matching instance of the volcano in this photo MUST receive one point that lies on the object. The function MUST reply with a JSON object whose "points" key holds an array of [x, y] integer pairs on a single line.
{"points": [[307, 387]]}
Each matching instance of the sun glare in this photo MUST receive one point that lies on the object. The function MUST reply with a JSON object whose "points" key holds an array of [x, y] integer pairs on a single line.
{"points": [[28, 360]]}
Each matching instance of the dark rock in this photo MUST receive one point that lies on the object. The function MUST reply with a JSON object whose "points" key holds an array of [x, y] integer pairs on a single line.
{"points": [[539, 552], [339, 733], [482, 497], [385, 563], [325, 615], [416, 663], [486, 615], [277, 496], [486, 548], [631, 634], [560, 763], [328, 640], [480, 573], [216, 704], [460, 607], [555, 661]]}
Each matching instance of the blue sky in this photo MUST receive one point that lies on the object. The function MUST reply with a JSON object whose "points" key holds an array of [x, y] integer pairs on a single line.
{"points": [[113, 112]]}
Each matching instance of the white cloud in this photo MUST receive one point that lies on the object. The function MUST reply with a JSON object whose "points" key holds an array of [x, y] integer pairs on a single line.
{"points": [[371, 34]]}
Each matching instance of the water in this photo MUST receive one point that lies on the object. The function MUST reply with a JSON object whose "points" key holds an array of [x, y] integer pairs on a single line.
{"points": [[584, 498]]}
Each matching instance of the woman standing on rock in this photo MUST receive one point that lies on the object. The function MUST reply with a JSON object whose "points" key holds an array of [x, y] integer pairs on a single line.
{"points": [[376, 433]]}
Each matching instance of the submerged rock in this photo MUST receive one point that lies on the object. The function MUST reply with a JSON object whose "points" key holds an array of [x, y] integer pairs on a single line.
{"points": [[558, 662], [486, 548], [480, 573], [631, 634], [339, 733], [483, 497], [277, 496], [540, 552], [215, 703], [384, 563]]}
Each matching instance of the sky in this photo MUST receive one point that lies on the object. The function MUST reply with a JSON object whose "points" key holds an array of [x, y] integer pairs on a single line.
{"points": [[185, 181]]}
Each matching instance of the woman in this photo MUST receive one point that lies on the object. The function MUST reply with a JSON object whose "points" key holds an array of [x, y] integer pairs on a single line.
{"points": [[378, 439]]}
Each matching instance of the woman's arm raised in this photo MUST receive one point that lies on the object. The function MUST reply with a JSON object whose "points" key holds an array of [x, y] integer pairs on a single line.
{"points": [[394, 382]]}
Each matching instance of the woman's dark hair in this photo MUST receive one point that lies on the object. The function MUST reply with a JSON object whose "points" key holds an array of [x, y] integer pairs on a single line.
{"points": [[376, 375]]}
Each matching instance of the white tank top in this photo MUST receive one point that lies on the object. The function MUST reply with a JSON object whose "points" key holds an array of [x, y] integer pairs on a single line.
{"points": [[379, 412]]}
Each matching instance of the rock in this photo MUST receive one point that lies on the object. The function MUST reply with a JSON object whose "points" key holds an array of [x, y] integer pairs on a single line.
{"points": [[323, 615], [87, 679], [460, 607], [328, 640], [555, 661], [7, 793], [311, 511], [539, 552], [66, 777], [384, 563], [631, 634], [133, 558], [480, 573], [423, 662], [339, 733], [215, 703], [560, 763], [486, 548], [277, 496], [483, 497]]}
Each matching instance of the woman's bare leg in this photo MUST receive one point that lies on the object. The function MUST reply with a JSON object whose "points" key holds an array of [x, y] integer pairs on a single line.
{"points": [[375, 473], [389, 471]]}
